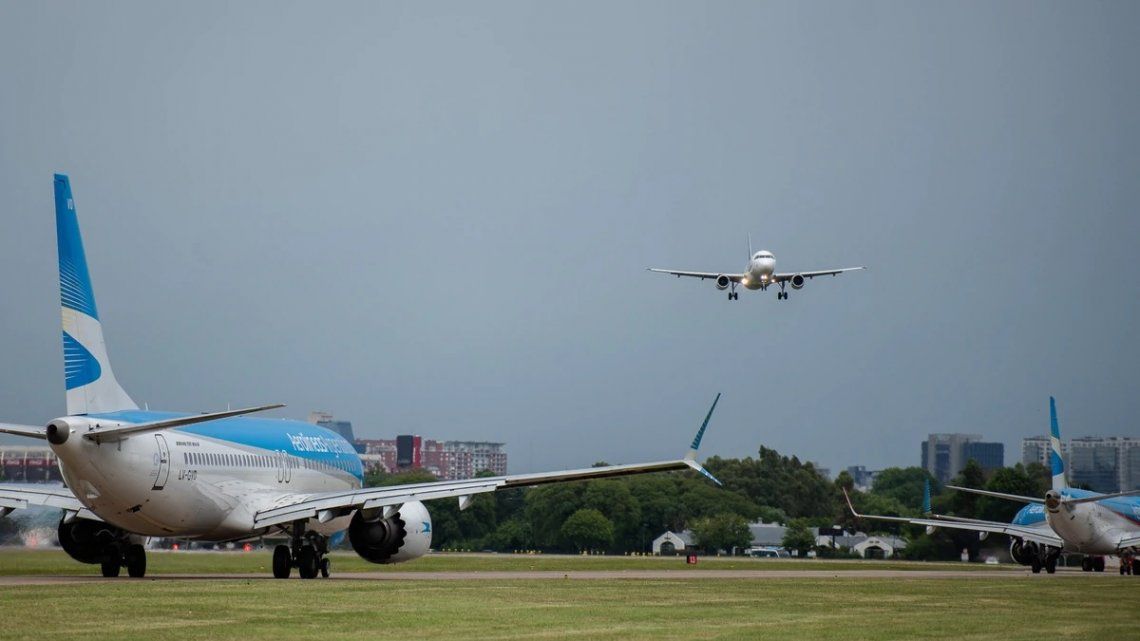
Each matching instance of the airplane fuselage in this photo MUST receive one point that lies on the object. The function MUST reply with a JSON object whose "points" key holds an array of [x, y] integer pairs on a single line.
{"points": [[758, 273], [1094, 527], [204, 481]]}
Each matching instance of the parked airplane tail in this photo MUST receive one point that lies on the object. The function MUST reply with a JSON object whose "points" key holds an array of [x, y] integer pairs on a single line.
{"points": [[1056, 461], [926, 509], [91, 385]]}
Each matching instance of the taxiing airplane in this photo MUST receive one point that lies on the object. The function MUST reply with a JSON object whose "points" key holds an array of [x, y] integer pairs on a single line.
{"points": [[759, 274], [222, 476], [1077, 521]]}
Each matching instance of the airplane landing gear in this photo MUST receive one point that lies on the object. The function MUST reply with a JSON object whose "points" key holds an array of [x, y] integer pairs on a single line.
{"points": [[306, 553], [782, 294], [115, 559], [733, 295]]}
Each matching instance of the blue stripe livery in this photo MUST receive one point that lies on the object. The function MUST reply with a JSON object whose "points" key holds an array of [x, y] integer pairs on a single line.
{"points": [[302, 440], [80, 367], [74, 280], [701, 432]]}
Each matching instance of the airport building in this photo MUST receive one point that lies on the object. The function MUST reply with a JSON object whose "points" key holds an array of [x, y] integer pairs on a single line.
{"points": [[1105, 463], [864, 479], [944, 455], [29, 464], [448, 460], [1036, 449], [326, 420]]}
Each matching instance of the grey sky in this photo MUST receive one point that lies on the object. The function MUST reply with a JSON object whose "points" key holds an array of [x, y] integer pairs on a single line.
{"points": [[437, 219]]}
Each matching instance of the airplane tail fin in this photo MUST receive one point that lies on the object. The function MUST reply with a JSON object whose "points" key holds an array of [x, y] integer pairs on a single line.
{"points": [[91, 385], [1056, 461], [926, 509], [749, 246]]}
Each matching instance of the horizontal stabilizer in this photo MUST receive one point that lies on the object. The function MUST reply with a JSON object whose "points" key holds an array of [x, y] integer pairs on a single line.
{"points": [[31, 431], [121, 431], [1000, 495]]}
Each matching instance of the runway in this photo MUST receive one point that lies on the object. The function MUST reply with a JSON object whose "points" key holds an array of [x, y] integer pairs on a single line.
{"points": [[598, 575]]}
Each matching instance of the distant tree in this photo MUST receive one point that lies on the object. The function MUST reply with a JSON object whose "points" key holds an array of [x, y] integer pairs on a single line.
{"points": [[547, 507], [511, 535], [587, 529], [904, 484], [1008, 480], [966, 503], [722, 532], [617, 503], [798, 537]]}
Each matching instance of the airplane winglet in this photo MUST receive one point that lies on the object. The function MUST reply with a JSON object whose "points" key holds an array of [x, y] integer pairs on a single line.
{"points": [[692, 455], [850, 506], [691, 458]]}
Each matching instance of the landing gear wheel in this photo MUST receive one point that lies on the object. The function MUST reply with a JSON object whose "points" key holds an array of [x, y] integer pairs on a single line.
{"points": [[112, 562], [307, 563], [1086, 564], [282, 562], [1051, 564], [1135, 567], [326, 565], [135, 560], [1035, 565], [1098, 564]]}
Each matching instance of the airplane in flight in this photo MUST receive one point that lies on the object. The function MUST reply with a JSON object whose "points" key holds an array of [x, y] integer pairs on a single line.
{"points": [[759, 274], [1066, 519], [222, 476]]}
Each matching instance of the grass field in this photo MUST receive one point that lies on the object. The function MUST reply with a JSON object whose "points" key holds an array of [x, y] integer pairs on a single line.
{"points": [[19, 562], [985, 606]]}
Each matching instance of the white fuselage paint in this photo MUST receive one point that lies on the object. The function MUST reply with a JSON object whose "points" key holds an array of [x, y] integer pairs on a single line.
{"points": [[1090, 528], [758, 274], [203, 488]]}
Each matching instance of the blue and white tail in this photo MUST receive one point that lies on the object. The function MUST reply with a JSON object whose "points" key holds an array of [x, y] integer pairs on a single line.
{"points": [[1056, 461], [91, 385]]}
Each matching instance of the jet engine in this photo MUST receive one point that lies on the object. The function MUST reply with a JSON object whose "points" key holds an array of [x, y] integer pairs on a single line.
{"points": [[798, 281], [1023, 552], [722, 282], [404, 536], [87, 541]]}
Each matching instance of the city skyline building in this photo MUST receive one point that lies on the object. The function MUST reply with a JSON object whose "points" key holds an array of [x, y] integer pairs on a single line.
{"points": [[944, 455]]}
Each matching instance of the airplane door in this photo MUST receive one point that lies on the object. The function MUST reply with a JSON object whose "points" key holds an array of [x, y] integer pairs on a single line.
{"points": [[163, 458]]}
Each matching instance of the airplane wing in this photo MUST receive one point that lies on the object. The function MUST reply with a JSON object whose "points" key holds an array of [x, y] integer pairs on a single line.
{"points": [[25, 495], [118, 432], [1038, 535], [736, 278], [326, 506], [1128, 542], [779, 278], [31, 431]]}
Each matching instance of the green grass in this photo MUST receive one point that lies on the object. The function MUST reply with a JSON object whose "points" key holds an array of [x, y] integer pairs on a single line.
{"points": [[848, 609], [21, 562]]}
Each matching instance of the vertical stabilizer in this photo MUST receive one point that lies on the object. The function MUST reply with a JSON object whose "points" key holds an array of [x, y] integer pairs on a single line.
{"points": [[1056, 461], [926, 509], [91, 385]]}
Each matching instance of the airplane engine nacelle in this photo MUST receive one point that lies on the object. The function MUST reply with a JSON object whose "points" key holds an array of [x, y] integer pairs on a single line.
{"points": [[798, 281], [1023, 552], [722, 282], [404, 536], [87, 541]]}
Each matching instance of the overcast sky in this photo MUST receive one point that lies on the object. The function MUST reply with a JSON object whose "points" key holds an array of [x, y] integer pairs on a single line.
{"points": [[437, 219]]}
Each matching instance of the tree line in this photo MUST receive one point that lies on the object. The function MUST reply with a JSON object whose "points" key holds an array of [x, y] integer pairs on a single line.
{"points": [[625, 514]]}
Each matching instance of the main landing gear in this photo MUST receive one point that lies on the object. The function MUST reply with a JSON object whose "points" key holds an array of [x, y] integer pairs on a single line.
{"points": [[131, 556], [1092, 564], [733, 295], [782, 294], [308, 552]]}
